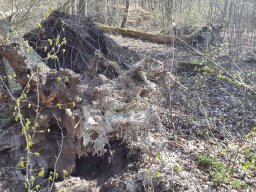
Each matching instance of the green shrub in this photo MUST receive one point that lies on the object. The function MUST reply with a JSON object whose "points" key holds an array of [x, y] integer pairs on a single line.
{"points": [[219, 171]]}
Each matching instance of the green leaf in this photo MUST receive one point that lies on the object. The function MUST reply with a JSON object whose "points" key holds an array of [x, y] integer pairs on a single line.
{"points": [[18, 102], [37, 187], [28, 86], [25, 185], [29, 145], [50, 179], [38, 25], [32, 180], [58, 105], [41, 173], [56, 175], [158, 157], [65, 173], [29, 49], [37, 154], [21, 164], [58, 39], [50, 41], [14, 33], [158, 174], [24, 96], [58, 79]]}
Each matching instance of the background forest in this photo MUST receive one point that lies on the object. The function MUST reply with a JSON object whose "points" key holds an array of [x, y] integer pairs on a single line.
{"points": [[236, 16]]}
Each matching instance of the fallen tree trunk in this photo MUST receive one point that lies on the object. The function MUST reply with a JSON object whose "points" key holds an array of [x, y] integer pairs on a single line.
{"points": [[151, 37], [200, 38]]}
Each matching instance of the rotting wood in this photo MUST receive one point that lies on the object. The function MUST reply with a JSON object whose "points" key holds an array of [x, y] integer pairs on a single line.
{"points": [[151, 37], [44, 85], [198, 38]]}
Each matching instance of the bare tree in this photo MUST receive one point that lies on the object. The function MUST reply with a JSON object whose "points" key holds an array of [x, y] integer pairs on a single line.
{"points": [[124, 21], [81, 7]]}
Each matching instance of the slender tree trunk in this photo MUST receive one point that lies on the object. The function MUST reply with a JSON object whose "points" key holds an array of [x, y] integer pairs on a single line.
{"points": [[163, 16], [225, 11], [81, 7], [86, 7], [169, 11], [73, 7], [124, 21]]}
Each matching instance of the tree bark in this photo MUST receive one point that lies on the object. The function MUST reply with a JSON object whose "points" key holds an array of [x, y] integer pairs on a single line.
{"points": [[81, 7], [124, 21], [73, 7]]}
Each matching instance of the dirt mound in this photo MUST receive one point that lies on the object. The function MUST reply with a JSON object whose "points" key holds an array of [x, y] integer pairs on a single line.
{"points": [[76, 41]]}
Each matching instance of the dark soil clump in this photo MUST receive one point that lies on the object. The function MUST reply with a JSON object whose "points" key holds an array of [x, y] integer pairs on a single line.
{"points": [[75, 40]]}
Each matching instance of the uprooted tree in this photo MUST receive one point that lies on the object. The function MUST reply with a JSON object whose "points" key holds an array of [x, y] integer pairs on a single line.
{"points": [[93, 97]]}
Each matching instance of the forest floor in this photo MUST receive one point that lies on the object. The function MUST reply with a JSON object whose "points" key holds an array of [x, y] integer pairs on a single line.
{"points": [[210, 117], [204, 146]]}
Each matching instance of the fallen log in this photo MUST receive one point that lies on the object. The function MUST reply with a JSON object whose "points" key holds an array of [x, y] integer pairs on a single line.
{"points": [[151, 37], [198, 38]]}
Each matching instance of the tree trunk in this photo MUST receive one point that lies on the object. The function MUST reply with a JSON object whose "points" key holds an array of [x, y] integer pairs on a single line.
{"points": [[73, 7], [124, 21], [81, 7]]}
